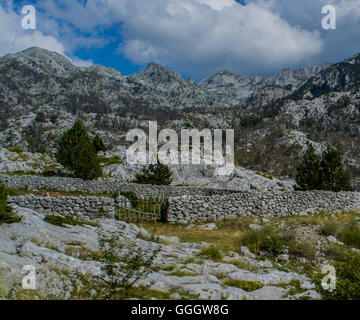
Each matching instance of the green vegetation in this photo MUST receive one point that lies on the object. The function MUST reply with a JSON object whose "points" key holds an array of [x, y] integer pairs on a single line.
{"points": [[302, 249], [62, 221], [347, 280], [109, 161], [266, 238], [158, 174], [15, 149], [322, 173], [245, 285], [350, 235], [77, 153], [212, 253], [268, 176], [99, 144], [6, 214], [329, 229]]}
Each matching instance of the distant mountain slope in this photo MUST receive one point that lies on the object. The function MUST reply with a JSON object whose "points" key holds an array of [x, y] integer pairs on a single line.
{"points": [[42, 93]]}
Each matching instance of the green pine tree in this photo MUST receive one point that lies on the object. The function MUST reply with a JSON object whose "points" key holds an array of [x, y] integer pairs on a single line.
{"points": [[158, 174], [323, 172], [77, 153], [99, 144], [308, 173], [6, 215], [333, 176]]}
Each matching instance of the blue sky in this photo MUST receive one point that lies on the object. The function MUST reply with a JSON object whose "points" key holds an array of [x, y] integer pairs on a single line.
{"points": [[194, 37]]}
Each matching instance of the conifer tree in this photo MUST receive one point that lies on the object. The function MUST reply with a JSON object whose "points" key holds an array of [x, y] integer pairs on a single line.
{"points": [[77, 153], [323, 172], [158, 174], [99, 144], [6, 215], [308, 172], [333, 175]]}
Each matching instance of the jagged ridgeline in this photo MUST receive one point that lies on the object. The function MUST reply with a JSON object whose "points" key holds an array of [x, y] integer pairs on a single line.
{"points": [[42, 93]]}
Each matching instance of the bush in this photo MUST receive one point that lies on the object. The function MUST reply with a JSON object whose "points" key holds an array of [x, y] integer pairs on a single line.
{"points": [[110, 161], [348, 280], [132, 196], [267, 239], [302, 249], [350, 235], [159, 174], [77, 153], [336, 252], [6, 215]]}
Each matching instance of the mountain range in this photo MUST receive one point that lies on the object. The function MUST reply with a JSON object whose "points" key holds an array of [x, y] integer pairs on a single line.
{"points": [[42, 93]]}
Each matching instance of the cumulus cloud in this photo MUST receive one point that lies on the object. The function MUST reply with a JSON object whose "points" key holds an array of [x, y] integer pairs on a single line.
{"points": [[209, 36], [14, 38], [199, 37]]}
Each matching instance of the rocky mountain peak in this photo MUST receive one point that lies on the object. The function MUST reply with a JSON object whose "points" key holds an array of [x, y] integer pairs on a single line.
{"points": [[44, 61], [156, 72], [354, 59]]}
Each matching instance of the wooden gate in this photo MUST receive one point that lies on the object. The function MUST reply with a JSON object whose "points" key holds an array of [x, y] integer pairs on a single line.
{"points": [[145, 209]]}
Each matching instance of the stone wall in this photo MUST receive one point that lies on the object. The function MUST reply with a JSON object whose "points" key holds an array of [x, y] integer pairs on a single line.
{"points": [[265, 204], [73, 184], [185, 204], [77, 207]]}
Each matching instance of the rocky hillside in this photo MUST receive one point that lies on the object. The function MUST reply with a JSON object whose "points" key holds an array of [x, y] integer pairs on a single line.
{"points": [[42, 93], [76, 259]]}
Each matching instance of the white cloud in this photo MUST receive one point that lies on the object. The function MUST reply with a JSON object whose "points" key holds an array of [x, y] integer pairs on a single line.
{"points": [[14, 38], [203, 36], [197, 37]]}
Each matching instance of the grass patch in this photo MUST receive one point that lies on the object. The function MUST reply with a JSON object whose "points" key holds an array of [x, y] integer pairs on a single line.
{"points": [[267, 239], [329, 229], [212, 253], [62, 221], [302, 249], [350, 235], [244, 285], [226, 237]]}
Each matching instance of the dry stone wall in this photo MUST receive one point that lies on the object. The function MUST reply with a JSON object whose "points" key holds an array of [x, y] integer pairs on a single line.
{"points": [[265, 204], [78, 207], [185, 205], [73, 184]]}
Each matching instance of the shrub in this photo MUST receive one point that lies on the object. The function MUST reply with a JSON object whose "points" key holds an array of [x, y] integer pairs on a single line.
{"points": [[110, 161], [329, 229], [302, 249], [267, 239], [77, 153], [212, 253], [132, 196], [348, 280], [336, 252], [119, 281], [6, 215], [350, 235], [159, 174]]}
